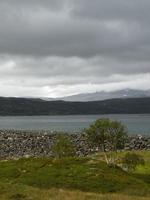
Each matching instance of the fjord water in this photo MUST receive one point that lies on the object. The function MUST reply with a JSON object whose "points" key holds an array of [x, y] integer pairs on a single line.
{"points": [[136, 124]]}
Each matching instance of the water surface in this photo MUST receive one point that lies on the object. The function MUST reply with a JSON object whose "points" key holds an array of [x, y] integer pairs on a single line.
{"points": [[136, 124]]}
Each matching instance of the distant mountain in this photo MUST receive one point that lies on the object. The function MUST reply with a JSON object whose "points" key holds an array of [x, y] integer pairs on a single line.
{"points": [[24, 106], [127, 93]]}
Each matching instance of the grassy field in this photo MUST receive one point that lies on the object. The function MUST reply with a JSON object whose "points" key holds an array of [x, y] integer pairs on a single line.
{"points": [[72, 179]]}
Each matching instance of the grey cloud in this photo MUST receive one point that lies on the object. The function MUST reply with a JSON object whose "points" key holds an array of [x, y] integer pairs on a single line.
{"points": [[43, 32], [59, 70], [33, 4], [134, 10], [72, 43]]}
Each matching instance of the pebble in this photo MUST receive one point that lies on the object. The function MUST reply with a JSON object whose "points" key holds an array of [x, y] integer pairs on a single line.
{"points": [[17, 144]]}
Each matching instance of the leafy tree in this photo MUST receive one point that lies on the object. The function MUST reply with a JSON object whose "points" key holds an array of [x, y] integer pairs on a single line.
{"points": [[63, 147], [116, 135], [105, 132], [131, 160]]}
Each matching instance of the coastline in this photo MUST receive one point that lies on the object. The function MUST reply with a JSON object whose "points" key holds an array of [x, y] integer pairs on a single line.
{"points": [[18, 144]]}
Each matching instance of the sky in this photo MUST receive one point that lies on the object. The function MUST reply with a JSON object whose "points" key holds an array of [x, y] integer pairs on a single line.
{"points": [[55, 48]]}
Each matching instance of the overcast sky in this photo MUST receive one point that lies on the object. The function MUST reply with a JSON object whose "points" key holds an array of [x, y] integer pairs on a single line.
{"points": [[56, 48]]}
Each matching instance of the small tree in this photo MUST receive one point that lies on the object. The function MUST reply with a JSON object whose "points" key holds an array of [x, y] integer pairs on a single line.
{"points": [[131, 160], [105, 132], [116, 135], [63, 147]]}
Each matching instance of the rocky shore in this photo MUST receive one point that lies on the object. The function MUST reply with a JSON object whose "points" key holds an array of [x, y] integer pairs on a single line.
{"points": [[16, 144]]}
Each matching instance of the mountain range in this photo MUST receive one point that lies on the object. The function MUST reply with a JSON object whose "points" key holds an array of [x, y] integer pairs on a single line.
{"points": [[27, 106], [98, 96]]}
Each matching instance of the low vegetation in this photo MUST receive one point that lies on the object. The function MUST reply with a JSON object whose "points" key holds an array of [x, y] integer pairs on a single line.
{"points": [[131, 161], [63, 147], [77, 178]]}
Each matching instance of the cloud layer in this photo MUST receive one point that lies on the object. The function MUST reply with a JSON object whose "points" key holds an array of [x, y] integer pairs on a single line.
{"points": [[57, 48]]}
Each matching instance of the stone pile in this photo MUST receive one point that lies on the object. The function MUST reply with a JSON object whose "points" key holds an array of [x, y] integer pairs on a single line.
{"points": [[16, 144], [138, 142], [25, 143]]}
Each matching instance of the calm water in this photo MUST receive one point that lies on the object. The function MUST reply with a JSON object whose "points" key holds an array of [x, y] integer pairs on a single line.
{"points": [[134, 123]]}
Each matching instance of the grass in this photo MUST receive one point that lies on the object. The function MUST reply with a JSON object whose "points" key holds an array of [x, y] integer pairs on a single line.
{"points": [[72, 178], [31, 193]]}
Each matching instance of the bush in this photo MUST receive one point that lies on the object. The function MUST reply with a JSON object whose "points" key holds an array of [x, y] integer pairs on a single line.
{"points": [[63, 147], [107, 135], [131, 160]]}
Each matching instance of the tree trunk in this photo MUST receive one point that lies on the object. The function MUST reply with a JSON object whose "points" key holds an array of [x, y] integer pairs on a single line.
{"points": [[105, 155]]}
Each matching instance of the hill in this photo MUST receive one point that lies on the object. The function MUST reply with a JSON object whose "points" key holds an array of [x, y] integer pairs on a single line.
{"points": [[97, 96], [71, 178], [24, 106]]}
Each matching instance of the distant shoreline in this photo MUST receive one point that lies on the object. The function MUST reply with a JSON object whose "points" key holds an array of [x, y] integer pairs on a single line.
{"points": [[30, 107]]}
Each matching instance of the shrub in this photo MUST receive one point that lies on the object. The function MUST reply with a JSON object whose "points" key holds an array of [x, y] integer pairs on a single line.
{"points": [[131, 160], [63, 147]]}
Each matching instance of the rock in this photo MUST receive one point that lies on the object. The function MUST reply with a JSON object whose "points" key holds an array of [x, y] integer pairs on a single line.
{"points": [[17, 144]]}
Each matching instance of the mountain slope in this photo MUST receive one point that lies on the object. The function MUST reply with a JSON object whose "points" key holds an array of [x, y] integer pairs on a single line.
{"points": [[23, 106], [127, 93]]}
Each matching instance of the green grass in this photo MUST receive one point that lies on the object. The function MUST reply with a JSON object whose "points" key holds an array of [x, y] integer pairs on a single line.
{"points": [[77, 178]]}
